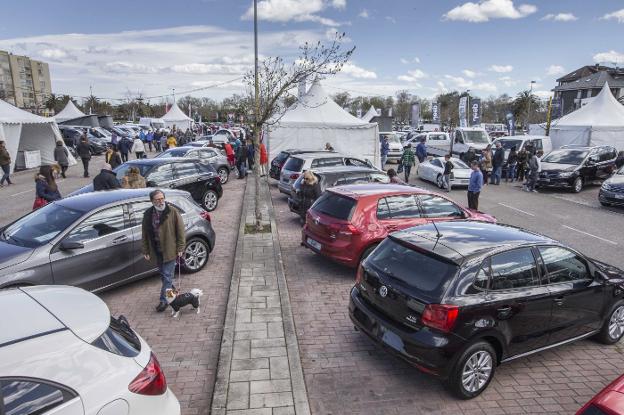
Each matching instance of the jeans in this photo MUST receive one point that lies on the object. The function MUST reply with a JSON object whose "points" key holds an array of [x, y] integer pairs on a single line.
{"points": [[166, 271], [407, 170], [124, 156], [496, 175], [473, 200], [139, 154], [6, 169], [85, 167], [531, 180], [63, 170], [511, 172], [157, 145], [149, 144], [384, 158], [446, 181]]}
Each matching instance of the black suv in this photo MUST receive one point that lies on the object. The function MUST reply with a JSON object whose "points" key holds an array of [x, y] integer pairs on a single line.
{"points": [[336, 176], [575, 166], [278, 162], [458, 299], [199, 179]]}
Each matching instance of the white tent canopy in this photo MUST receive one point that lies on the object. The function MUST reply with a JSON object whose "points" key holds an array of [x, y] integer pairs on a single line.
{"points": [[601, 122], [176, 117], [69, 112], [23, 131], [315, 120], [372, 113]]}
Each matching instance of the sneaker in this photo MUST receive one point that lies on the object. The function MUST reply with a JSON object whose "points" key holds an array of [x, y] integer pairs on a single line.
{"points": [[162, 306]]}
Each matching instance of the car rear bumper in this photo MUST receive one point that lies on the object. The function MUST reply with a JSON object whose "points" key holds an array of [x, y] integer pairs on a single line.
{"points": [[424, 349], [165, 404], [611, 198], [345, 255]]}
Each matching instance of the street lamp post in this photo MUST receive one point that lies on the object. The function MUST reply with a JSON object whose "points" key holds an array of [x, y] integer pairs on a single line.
{"points": [[529, 106]]}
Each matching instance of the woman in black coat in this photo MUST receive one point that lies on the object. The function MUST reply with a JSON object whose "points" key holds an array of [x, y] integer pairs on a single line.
{"points": [[310, 191]]}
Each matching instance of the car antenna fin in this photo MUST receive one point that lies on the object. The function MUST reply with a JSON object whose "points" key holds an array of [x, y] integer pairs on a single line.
{"points": [[438, 234]]}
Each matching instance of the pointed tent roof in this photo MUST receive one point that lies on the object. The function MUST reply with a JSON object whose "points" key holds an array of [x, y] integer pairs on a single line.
{"points": [[316, 107], [175, 114], [604, 110], [10, 114], [372, 113], [69, 112]]}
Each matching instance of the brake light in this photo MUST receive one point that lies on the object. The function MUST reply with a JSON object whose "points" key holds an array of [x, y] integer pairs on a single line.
{"points": [[294, 176], [151, 381], [343, 229], [205, 215], [359, 277], [440, 316]]}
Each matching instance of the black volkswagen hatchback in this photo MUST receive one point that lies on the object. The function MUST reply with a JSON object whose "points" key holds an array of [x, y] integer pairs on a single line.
{"points": [[457, 300], [199, 179]]}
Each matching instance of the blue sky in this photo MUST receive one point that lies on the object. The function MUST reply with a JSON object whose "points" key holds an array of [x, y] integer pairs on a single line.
{"points": [[424, 46]]}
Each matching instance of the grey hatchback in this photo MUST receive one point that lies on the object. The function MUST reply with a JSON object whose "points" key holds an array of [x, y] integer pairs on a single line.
{"points": [[93, 240]]}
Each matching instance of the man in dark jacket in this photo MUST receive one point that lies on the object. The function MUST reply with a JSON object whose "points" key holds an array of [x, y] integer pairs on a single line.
{"points": [[84, 152], [106, 180], [61, 156], [125, 144], [163, 240], [497, 164], [241, 161]]}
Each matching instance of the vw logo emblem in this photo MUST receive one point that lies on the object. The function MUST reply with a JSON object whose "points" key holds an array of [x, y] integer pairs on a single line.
{"points": [[317, 221], [383, 291]]}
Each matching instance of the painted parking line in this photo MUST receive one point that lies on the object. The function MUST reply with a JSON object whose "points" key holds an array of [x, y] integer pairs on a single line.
{"points": [[516, 209], [589, 234], [21, 193]]}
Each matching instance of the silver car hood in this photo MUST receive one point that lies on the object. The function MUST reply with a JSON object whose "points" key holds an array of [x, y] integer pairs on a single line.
{"points": [[12, 254]]}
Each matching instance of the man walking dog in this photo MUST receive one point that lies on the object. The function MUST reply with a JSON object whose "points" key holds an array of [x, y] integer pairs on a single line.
{"points": [[163, 240]]}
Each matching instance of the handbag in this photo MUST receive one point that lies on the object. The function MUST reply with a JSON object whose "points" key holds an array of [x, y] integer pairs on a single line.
{"points": [[39, 203], [400, 168]]}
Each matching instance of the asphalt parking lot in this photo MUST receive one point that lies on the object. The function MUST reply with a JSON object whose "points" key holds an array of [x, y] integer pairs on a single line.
{"points": [[345, 373], [187, 348]]}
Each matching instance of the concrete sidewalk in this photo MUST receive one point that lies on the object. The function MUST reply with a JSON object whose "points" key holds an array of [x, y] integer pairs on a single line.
{"points": [[259, 366]]}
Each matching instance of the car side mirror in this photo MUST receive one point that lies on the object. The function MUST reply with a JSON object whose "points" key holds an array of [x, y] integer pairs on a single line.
{"points": [[70, 245]]}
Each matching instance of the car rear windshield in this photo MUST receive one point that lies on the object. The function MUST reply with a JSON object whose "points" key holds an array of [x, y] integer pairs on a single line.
{"points": [[122, 170], [173, 153], [425, 276], [334, 205], [293, 164], [281, 157], [119, 339]]}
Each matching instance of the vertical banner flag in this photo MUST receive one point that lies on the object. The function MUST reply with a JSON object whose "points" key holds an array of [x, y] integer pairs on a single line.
{"points": [[475, 112], [463, 103], [511, 123], [415, 115], [359, 112], [435, 113]]}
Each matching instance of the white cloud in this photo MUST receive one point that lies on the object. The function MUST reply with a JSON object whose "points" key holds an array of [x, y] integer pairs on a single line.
{"points": [[555, 70], [391, 19], [54, 54], [406, 61], [617, 15], [468, 73], [121, 67], [364, 14], [543, 94], [463, 83], [609, 57], [508, 81], [355, 71], [501, 68], [485, 10], [560, 17], [295, 10], [413, 76]]}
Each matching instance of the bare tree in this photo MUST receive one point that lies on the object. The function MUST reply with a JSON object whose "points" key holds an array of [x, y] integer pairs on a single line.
{"points": [[276, 81]]}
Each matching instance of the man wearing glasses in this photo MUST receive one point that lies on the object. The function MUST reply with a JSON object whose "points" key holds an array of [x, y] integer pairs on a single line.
{"points": [[163, 240]]}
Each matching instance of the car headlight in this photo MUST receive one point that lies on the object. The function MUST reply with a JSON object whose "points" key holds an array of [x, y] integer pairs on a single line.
{"points": [[566, 174], [606, 186]]}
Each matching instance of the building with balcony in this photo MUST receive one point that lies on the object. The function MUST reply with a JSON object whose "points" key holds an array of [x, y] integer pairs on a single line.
{"points": [[24, 82]]}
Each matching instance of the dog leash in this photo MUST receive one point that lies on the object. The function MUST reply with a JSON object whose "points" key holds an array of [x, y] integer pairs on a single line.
{"points": [[179, 286]]}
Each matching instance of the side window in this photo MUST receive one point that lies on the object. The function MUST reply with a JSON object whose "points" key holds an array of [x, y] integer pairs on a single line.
{"points": [[383, 211], [355, 162], [185, 169], [192, 154], [99, 224], [458, 137], [483, 276], [438, 207], [403, 207], [206, 154], [160, 174], [29, 397], [138, 209], [606, 154], [352, 180], [327, 162], [436, 163], [514, 269], [563, 265], [538, 144]]}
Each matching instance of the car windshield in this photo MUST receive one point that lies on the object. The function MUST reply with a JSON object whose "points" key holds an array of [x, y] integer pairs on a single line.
{"points": [[508, 144], [177, 152], [41, 226], [477, 137], [457, 163], [293, 164], [392, 138], [573, 157], [121, 171]]}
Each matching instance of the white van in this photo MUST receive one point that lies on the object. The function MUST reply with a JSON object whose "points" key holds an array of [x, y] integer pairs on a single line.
{"points": [[438, 143], [469, 137], [539, 142], [395, 151]]}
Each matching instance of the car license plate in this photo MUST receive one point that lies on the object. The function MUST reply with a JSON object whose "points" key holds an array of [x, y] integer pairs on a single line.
{"points": [[618, 196], [314, 244], [391, 339], [546, 180]]}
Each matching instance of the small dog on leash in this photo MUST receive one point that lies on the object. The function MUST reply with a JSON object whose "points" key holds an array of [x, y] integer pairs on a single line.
{"points": [[177, 300]]}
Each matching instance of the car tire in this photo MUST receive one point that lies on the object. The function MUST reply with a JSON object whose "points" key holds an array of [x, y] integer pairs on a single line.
{"points": [[577, 186], [224, 175], [210, 200], [196, 254], [605, 204], [367, 252], [439, 181], [479, 360], [613, 328]]}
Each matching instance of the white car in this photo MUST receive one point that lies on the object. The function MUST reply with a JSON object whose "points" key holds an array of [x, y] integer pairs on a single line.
{"points": [[61, 353], [433, 169]]}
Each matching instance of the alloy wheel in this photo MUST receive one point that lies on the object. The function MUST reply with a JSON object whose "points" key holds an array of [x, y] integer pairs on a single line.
{"points": [[195, 255], [439, 181], [477, 371], [616, 323], [223, 175], [210, 200], [578, 185]]}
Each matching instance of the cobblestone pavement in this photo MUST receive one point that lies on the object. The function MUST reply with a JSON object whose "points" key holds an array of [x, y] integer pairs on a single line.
{"points": [[188, 348], [345, 373]]}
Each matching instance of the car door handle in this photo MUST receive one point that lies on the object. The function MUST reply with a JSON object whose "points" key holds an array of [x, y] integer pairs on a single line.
{"points": [[120, 239], [558, 300]]}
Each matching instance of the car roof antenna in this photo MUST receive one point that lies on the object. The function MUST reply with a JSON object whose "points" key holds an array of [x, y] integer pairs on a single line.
{"points": [[438, 234]]}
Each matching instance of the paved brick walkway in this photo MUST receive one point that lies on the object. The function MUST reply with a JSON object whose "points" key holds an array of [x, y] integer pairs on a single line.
{"points": [[345, 373], [259, 367]]}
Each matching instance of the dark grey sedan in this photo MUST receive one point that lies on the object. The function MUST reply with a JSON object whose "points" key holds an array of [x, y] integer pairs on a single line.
{"points": [[208, 155], [93, 240]]}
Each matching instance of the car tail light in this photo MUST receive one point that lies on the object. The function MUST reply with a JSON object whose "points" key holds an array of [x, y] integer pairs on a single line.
{"points": [[205, 215], [359, 277], [343, 229], [294, 176], [151, 381], [440, 316]]}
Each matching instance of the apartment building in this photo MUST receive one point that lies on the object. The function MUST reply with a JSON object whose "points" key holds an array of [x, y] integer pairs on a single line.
{"points": [[24, 82]]}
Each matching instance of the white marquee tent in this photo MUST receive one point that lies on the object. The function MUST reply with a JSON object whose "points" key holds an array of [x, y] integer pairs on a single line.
{"points": [[176, 117], [372, 113], [601, 122], [23, 131], [69, 112], [315, 120]]}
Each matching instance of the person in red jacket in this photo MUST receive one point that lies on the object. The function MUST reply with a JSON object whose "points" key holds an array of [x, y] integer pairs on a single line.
{"points": [[229, 153], [264, 160]]}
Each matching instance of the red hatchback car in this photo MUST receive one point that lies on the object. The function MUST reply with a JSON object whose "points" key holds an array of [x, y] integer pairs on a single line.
{"points": [[346, 223], [609, 401]]}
